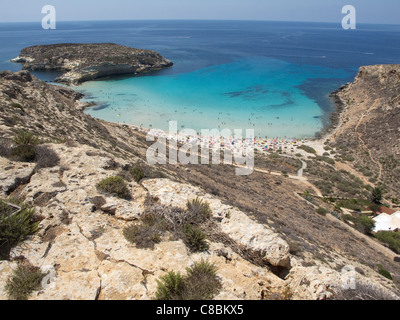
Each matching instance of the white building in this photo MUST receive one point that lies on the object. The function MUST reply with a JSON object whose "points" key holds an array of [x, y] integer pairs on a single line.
{"points": [[387, 222]]}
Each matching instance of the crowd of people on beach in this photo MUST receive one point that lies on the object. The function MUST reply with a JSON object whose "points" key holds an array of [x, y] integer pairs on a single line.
{"points": [[220, 142]]}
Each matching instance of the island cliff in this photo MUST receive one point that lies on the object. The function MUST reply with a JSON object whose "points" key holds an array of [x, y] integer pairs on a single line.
{"points": [[85, 62]]}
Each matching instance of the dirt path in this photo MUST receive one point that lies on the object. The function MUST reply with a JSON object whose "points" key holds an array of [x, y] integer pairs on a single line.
{"points": [[301, 179], [304, 181], [342, 166], [359, 135]]}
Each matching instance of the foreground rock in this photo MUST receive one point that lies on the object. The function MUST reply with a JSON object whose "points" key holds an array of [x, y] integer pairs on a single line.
{"points": [[84, 62], [85, 248], [233, 222]]}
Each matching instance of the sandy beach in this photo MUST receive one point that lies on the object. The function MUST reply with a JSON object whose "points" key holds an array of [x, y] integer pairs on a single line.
{"points": [[289, 146]]}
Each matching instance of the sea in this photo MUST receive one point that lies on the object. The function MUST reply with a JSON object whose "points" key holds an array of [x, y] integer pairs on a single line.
{"points": [[272, 77]]}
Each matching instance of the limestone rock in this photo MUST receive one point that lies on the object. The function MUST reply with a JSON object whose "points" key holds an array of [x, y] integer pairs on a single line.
{"points": [[14, 174], [233, 222], [120, 281], [84, 62]]}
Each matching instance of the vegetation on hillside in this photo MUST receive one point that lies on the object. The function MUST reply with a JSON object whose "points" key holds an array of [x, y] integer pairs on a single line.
{"points": [[17, 222], [199, 283]]}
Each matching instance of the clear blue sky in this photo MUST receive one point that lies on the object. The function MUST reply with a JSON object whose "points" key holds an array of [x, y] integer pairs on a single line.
{"points": [[368, 11]]}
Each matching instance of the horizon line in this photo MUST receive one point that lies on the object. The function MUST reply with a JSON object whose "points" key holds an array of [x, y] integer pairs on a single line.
{"points": [[236, 20]]}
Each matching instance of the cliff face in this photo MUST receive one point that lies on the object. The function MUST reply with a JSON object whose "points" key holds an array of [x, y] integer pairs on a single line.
{"points": [[81, 229], [369, 128], [84, 62]]}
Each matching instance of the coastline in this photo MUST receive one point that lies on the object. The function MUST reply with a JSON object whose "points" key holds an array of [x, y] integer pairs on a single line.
{"points": [[289, 145], [335, 122], [334, 118]]}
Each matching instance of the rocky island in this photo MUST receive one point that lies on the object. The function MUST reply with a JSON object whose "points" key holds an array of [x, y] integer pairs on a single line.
{"points": [[85, 62]]}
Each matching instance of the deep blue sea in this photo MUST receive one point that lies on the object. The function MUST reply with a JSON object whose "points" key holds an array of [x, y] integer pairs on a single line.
{"points": [[273, 77]]}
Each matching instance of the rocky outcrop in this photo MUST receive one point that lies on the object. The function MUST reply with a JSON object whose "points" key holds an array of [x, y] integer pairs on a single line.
{"points": [[368, 129], [321, 283], [14, 174], [84, 62], [233, 222], [85, 248]]}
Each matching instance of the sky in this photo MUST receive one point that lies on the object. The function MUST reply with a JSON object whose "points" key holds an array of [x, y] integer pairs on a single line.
{"points": [[368, 11]]}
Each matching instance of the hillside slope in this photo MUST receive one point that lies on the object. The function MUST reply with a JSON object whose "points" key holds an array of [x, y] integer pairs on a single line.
{"points": [[369, 124], [265, 241]]}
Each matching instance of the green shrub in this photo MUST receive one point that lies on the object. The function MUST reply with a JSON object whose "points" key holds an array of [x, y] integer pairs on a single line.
{"points": [[15, 226], [307, 149], [180, 224], [365, 224], [25, 279], [348, 218], [5, 147], [355, 204], [115, 186], [149, 232], [377, 195], [200, 283], [137, 173], [348, 158], [383, 272], [140, 171], [322, 211], [24, 138], [195, 238], [391, 238], [45, 157], [23, 153], [326, 159], [24, 150], [170, 286], [131, 232], [199, 210], [143, 236]]}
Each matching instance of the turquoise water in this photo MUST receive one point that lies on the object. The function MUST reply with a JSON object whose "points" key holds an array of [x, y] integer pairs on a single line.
{"points": [[273, 77], [253, 93]]}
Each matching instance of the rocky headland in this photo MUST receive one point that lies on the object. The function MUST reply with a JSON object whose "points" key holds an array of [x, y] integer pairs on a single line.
{"points": [[368, 125], [265, 241], [85, 62]]}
